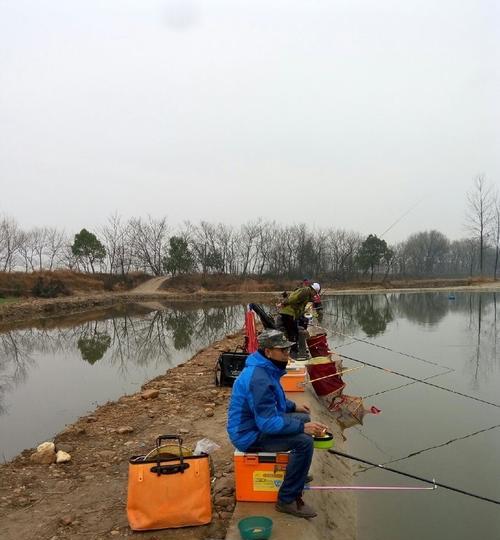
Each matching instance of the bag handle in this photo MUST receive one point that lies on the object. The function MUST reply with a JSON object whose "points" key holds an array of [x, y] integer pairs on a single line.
{"points": [[158, 468], [168, 438], [169, 469]]}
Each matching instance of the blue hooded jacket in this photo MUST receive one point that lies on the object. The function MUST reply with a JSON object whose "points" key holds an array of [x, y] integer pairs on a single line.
{"points": [[258, 404]]}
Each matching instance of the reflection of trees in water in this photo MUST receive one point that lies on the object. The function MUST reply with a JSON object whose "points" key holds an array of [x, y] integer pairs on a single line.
{"points": [[374, 314], [347, 314], [423, 308], [482, 322], [120, 340], [15, 361], [93, 348]]}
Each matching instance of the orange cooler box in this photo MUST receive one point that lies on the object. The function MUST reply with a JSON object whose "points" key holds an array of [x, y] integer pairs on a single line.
{"points": [[294, 379], [259, 476]]}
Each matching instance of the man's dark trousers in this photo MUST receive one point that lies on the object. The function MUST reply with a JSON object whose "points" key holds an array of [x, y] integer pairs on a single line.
{"points": [[301, 447]]}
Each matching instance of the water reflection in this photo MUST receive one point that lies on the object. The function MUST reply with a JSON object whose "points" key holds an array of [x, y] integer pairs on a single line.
{"points": [[121, 339], [372, 313], [426, 308]]}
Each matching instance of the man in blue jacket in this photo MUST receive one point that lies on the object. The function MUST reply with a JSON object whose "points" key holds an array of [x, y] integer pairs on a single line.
{"points": [[260, 418]]}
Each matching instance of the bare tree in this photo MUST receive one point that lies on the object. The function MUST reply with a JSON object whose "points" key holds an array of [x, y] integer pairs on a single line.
{"points": [[116, 237], [56, 241], [479, 214], [148, 240], [496, 233], [11, 240]]}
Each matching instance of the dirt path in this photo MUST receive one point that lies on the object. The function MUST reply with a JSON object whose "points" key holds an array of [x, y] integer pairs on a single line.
{"points": [[149, 287]]}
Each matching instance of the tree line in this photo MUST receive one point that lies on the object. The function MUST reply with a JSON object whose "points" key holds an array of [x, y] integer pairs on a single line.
{"points": [[258, 248]]}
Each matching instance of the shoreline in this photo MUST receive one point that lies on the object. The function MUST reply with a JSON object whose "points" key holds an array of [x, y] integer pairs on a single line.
{"points": [[23, 311]]}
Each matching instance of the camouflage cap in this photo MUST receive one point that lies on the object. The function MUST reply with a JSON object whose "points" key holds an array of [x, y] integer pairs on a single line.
{"points": [[273, 339]]}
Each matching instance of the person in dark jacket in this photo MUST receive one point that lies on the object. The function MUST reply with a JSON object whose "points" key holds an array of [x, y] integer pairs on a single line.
{"points": [[262, 419]]}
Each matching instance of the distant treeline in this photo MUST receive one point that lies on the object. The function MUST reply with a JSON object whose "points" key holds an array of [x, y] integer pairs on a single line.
{"points": [[258, 248]]}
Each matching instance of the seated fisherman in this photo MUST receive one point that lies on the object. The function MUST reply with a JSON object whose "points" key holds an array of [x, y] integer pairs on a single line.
{"points": [[261, 419]]}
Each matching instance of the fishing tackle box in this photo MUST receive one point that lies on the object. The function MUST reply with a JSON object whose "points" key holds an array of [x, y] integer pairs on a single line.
{"points": [[258, 476], [229, 366], [294, 379]]}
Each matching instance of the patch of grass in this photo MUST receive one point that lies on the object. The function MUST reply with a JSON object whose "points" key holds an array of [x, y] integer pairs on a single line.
{"points": [[4, 301]]}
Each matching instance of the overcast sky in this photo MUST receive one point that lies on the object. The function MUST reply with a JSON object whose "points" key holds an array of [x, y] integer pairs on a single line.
{"points": [[341, 113]]}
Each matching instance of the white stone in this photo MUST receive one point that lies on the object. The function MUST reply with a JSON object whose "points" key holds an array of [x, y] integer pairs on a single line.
{"points": [[45, 446], [62, 457]]}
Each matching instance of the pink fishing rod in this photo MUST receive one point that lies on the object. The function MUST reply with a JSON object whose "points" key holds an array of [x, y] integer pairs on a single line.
{"points": [[371, 488]]}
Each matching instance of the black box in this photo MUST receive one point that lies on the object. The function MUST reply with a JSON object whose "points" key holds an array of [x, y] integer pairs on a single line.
{"points": [[228, 367]]}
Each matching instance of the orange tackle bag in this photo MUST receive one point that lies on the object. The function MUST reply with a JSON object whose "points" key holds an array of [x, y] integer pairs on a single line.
{"points": [[168, 489]]}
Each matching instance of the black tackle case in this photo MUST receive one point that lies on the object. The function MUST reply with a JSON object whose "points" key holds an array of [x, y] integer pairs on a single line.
{"points": [[229, 366]]}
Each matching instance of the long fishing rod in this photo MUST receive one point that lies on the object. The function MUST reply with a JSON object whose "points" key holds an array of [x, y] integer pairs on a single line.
{"points": [[370, 488], [420, 381], [426, 480], [402, 216], [338, 374]]}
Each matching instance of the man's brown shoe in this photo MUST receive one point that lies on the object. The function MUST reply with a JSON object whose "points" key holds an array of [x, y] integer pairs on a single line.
{"points": [[297, 508]]}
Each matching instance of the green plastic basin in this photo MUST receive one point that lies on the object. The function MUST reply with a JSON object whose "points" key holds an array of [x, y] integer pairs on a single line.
{"points": [[255, 528], [324, 442]]}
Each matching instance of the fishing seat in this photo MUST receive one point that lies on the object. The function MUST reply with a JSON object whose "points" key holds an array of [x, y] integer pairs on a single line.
{"points": [[259, 475]]}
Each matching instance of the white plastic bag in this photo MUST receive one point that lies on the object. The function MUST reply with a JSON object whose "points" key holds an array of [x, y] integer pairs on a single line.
{"points": [[205, 446]]}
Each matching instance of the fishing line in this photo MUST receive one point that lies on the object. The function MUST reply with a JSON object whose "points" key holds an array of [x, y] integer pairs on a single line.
{"points": [[404, 215], [451, 441], [426, 480], [391, 350], [345, 344], [420, 381], [407, 384]]}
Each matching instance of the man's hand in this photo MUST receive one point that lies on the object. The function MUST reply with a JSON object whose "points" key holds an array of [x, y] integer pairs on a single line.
{"points": [[303, 408], [315, 428]]}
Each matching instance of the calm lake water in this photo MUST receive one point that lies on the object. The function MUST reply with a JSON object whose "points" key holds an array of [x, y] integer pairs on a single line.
{"points": [[54, 373], [448, 437]]}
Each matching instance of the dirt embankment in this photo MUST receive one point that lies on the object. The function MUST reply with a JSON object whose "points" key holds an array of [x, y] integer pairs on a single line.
{"points": [[85, 498]]}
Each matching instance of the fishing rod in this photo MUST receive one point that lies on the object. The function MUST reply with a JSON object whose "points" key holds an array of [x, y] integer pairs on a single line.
{"points": [[370, 488], [420, 381], [426, 480], [402, 216], [338, 374]]}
